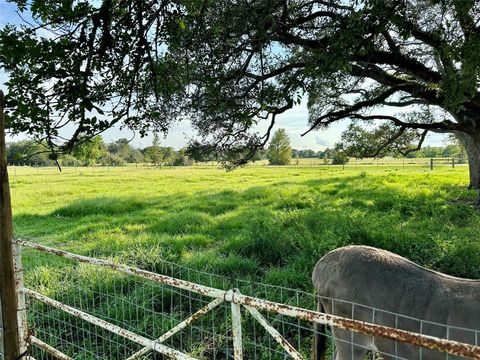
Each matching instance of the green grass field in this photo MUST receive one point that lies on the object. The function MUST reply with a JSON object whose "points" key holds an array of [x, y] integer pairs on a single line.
{"points": [[270, 224], [263, 224]]}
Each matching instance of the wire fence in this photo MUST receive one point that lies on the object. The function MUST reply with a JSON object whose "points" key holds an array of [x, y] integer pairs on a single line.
{"points": [[397, 163], [150, 309], [102, 310]]}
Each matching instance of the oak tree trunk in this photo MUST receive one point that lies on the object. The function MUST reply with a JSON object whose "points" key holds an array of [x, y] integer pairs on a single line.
{"points": [[472, 147], [8, 297]]}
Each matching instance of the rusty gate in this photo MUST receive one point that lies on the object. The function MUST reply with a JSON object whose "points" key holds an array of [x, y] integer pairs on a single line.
{"points": [[239, 306]]}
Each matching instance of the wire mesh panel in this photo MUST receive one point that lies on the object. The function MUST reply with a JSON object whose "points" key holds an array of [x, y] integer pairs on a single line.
{"points": [[151, 309], [354, 345]]}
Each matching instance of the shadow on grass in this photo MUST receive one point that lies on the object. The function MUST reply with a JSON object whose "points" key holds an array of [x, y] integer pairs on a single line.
{"points": [[272, 233]]}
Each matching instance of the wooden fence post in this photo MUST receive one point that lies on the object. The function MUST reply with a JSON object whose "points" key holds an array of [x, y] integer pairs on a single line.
{"points": [[8, 296], [431, 164]]}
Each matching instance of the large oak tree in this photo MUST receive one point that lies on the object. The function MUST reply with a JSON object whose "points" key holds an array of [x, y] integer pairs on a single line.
{"points": [[404, 68], [399, 69]]}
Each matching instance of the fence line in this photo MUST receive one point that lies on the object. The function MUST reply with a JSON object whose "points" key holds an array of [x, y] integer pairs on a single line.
{"points": [[250, 303], [16, 170]]}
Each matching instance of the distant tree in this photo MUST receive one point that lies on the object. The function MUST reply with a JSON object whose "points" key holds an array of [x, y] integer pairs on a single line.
{"points": [[451, 150], [109, 159], [261, 154], [413, 155], [27, 152], [134, 156], [169, 156], [454, 148], [18, 151], [306, 153], [90, 151], [181, 159], [279, 150], [339, 158], [309, 153], [70, 160], [154, 152], [325, 154], [153, 155], [339, 155], [122, 149], [360, 142], [431, 151]]}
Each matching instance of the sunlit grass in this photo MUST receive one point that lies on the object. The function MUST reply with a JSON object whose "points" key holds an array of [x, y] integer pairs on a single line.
{"points": [[266, 223]]}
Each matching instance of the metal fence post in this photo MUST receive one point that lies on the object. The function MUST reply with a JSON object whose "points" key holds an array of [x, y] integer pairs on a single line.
{"points": [[21, 303], [237, 328]]}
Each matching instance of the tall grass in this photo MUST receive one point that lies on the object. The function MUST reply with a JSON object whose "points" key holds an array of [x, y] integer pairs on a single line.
{"points": [[269, 224], [261, 224]]}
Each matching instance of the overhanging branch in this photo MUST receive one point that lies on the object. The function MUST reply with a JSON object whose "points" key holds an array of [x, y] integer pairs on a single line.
{"points": [[418, 147], [338, 115], [443, 126]]}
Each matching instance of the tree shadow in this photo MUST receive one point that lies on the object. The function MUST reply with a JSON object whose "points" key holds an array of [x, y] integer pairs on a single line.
{"points": [[269, 233]]}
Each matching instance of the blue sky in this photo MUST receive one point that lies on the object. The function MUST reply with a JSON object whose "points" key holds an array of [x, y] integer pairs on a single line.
{"points": [[294, 120]]}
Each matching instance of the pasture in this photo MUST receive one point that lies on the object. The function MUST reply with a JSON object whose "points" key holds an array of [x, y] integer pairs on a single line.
{"points": [[259, 228], [269, 224]]}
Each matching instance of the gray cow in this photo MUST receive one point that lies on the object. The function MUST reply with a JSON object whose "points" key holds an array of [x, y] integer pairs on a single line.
{"points": [[373, 278]]}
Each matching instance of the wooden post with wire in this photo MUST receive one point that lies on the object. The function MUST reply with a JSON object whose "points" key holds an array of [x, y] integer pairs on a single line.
{"points": [[8, 296]]}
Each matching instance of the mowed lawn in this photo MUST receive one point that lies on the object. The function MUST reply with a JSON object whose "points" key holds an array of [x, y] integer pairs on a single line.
{"points": [[269, 224]]}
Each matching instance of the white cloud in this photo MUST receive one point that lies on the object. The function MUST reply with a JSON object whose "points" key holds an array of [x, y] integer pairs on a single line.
{"points": [[322, 142]]}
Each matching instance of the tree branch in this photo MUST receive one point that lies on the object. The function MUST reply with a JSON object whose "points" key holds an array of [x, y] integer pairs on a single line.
{"points": [[337, 115], [418, 147], [376, 73], [444, 126], [389, 142], [408, 65]]}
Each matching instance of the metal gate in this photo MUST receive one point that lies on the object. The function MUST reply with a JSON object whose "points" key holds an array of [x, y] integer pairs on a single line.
{"points": [[243, 316]]}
